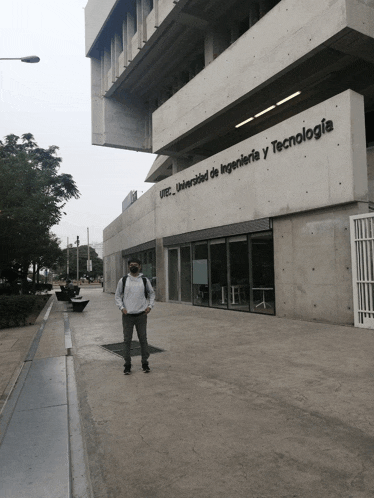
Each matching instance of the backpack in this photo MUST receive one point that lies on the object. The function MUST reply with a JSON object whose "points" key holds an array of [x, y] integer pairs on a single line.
{"points": [[144, 282]]}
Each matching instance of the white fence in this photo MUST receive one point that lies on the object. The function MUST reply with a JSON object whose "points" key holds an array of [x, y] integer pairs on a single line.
{"points": [[362, 250]]}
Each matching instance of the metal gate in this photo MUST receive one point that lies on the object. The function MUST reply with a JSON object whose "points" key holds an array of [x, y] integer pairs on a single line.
{"points": [[362, 251]]}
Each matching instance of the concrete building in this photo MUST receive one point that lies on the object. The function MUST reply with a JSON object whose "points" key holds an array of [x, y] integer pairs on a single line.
{"points": [[261, 116]]}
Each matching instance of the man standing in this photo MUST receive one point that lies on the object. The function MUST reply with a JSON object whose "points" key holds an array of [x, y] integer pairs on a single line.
{"points": [[135, 298]]}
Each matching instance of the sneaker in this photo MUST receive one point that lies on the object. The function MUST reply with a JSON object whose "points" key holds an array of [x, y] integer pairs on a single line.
{"points": [[127, 370], [145, 367]]}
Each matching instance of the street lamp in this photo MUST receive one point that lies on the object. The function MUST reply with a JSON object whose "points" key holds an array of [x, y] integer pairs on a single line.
{"points": [[29, 58], [77, 242]]}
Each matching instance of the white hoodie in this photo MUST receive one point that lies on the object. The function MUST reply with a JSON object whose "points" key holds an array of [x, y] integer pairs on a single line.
{"points": [[133, 299]]}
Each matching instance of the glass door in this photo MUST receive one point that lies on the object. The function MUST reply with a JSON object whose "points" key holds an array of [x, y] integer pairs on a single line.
{"points": [[234, 272], [239, 273], [262, 273], [173, 274], [200, 288], [218, 273], [179, 274], [185, 274]]}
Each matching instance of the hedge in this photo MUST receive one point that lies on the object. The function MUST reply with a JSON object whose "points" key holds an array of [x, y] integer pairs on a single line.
{"points": [[14, 310]]}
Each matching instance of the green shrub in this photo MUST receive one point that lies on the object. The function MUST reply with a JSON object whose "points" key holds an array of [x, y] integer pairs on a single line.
{"points": [[14, 310]]}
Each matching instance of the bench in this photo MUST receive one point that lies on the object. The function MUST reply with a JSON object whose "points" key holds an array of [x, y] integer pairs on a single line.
{"points": [[79, 304]]}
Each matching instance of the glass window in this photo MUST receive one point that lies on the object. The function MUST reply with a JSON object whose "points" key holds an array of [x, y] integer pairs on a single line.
{"points": [[262, 269], [185, 284], [218, 273], [232, 272], [146, 264], [239, 273], [200, 289], [173, 274]]}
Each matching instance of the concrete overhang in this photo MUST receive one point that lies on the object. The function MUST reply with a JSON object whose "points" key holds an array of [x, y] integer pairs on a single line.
{"points": [[97, 14], [343, 59], [161, 169], [102, 19], [174, 41]]}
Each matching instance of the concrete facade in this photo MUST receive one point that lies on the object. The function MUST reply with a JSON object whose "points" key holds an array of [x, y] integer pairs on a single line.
{"points": [[259, 54], [312, 264], [180, 79]]}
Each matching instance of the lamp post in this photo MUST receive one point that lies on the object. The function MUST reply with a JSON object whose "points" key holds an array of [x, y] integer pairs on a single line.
{"points": [[77, 242], [32, 59], [89, 269]]}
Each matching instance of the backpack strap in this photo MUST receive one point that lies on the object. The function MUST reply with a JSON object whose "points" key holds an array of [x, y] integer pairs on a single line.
{"points": [[144, 283], [145, 287]]}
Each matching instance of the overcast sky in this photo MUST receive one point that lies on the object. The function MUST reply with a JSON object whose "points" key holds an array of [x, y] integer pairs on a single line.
{"points": [[51, 100]]}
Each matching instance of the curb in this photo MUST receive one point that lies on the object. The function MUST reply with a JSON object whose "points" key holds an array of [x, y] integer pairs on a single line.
{"points": [[79, 467]]}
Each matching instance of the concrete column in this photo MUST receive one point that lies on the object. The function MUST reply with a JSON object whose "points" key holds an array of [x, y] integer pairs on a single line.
{"points": [[112, 61], [139, 22], [102, 73], [179, 164], [254, 13], [106, 63], [124, 43], [117, 52], [160, 271], [234, 32], [146, 7], [214, 44], [130, 21], [148, 126], [97, 90], [156, 9]]}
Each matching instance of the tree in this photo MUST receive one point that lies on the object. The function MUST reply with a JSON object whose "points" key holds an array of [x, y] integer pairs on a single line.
{"points": [[97, 263], [32, 198], [49, 256]]}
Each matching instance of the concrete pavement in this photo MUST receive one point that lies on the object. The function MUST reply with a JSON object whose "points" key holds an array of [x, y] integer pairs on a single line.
{"points": [[41, 448], [237, 405]]}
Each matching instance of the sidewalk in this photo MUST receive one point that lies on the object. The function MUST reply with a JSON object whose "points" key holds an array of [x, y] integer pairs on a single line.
{"points": [[40, 441], [236, 406]]}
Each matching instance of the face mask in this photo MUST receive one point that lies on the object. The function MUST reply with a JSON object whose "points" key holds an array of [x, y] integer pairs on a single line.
{"points": [[134, 269]]}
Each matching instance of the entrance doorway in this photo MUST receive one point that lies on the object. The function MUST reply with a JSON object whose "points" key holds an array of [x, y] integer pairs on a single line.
{"points": [[235, 273], [179, 274], [262, 296]]}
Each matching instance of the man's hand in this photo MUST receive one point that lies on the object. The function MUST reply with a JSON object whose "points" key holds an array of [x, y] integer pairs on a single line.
{"points": [[124, 311], [147, 310]]}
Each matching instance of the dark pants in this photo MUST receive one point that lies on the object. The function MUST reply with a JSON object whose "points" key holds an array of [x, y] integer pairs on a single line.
{"points": [[140, 322]]}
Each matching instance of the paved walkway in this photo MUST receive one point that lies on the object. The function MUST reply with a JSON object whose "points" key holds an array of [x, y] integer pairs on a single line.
{"points": [[236, 406], [41, 448]]}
